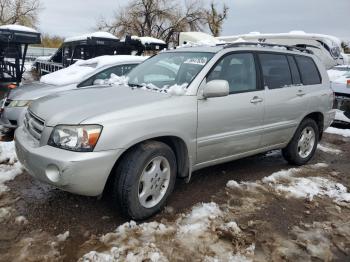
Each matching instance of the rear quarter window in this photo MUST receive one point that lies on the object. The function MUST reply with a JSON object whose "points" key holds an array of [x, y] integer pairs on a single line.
{"points": [[308, 70], [276, 71]]}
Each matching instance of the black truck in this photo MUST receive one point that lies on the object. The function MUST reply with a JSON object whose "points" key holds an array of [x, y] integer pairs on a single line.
{"points": [[90, 46], [14, 41]]}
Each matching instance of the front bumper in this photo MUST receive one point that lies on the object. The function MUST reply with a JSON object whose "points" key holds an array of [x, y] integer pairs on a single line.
{"points": [[83, 173]]}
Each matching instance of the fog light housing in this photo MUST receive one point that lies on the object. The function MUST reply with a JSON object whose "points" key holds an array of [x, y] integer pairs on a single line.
{"points": [[53, 173]]}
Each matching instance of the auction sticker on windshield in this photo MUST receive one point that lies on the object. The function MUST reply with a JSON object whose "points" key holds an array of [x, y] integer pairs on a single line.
{"points": [[197, 60]]}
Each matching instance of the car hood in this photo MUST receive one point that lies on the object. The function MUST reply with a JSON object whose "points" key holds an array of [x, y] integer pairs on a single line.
{"points": [[73, 107], [340, 87], [36, 90]]}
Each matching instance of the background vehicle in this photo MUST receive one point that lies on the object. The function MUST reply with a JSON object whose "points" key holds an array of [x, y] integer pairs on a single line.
{"points": [[81, 74], [214, 105], [14, 41], [340, 82], [93, 45], [326, 47]]}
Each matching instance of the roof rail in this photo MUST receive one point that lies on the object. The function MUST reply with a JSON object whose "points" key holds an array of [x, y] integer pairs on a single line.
{"points": [[260, 44]]}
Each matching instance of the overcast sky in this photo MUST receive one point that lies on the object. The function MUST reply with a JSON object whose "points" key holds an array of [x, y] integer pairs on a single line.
{"points": [[72, 17]]}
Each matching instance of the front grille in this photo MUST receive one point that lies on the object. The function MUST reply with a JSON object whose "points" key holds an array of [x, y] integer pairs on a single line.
{"points": [[34, 125], [13, 122]]}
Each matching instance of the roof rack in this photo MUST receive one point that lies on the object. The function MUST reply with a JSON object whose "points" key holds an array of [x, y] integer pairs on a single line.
{"points": [[260, 44]]}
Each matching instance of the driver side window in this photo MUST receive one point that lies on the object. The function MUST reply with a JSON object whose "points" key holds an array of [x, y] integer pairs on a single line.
{"points": [[238, 70]]}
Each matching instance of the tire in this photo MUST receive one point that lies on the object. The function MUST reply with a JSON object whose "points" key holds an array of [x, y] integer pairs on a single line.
{"points": [[298, 151], [145, 178]]}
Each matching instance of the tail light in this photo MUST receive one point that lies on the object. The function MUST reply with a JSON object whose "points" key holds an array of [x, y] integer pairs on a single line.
{"points": [[11, 86], [348, 83]]}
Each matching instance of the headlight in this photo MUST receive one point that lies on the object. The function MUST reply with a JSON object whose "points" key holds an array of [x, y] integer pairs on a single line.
{"points": [[81, 138], [19, 103]]}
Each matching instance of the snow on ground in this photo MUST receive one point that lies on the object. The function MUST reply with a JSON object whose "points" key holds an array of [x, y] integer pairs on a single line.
{"points": [[35, 246], [210, 232], [12, 168], [288, 183], [193, 235], [21, 220], [338, 131], [328, 149], [63, 237], [7, 152], [5, 213]]}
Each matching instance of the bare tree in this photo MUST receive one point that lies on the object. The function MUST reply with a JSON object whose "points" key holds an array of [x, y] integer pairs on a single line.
{"points": [[157, 18], [215, 19], [22, 12]]}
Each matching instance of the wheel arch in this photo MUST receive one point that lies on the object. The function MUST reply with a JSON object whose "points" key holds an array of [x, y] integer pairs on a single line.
{"points": [[177, 144], [318, 117]]}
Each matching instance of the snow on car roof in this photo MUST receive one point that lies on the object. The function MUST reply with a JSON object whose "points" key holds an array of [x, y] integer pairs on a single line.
{"points": [[86, 36], [83, 68], [291, 34], [19, 28], [149, 40]]}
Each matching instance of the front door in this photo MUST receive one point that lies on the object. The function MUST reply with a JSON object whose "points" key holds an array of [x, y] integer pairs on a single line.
{"points": [[231, 125]]}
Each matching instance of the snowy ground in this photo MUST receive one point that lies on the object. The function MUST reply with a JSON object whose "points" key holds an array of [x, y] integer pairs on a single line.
{"points": [[255, 209]]}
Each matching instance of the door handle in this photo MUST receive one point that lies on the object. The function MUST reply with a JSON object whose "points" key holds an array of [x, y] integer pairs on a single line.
{"points": [[301, 93], [256, 100]]}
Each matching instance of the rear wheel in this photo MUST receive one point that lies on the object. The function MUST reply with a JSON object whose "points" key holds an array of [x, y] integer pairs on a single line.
{"points": [[303, 145], [145, 178]]}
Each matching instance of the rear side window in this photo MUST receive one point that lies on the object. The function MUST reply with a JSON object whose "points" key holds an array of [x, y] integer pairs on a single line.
{"points": [[294, 70], [308, 70], [276, 72]]}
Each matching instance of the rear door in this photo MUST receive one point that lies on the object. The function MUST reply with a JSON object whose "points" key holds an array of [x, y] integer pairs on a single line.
{"points": [[314, 91], [285, 100], [231, 125]]}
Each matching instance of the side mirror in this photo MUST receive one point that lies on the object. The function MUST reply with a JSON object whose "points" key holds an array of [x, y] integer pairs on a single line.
{"points": [[98, 82], [216, 88]]}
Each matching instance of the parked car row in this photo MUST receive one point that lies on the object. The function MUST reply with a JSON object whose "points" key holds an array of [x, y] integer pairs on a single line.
{"points": [[180, 111], [79, 75]]}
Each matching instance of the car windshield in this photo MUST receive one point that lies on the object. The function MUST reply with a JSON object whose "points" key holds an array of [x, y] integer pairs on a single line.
{"points": [[167, 70]]}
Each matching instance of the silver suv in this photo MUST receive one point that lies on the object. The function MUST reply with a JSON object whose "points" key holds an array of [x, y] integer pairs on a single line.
{"points": [[182, 110]]}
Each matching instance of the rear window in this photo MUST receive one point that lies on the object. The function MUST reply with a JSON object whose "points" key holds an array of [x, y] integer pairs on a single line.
{"points": [[308, 70], [276, 70]]}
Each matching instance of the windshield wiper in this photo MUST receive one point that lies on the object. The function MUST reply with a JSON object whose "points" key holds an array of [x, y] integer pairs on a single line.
{"points": [[134, 85]]}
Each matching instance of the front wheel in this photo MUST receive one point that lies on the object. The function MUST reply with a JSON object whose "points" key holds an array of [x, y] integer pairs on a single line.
{"points": [[303, 145], [145, 178]]}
